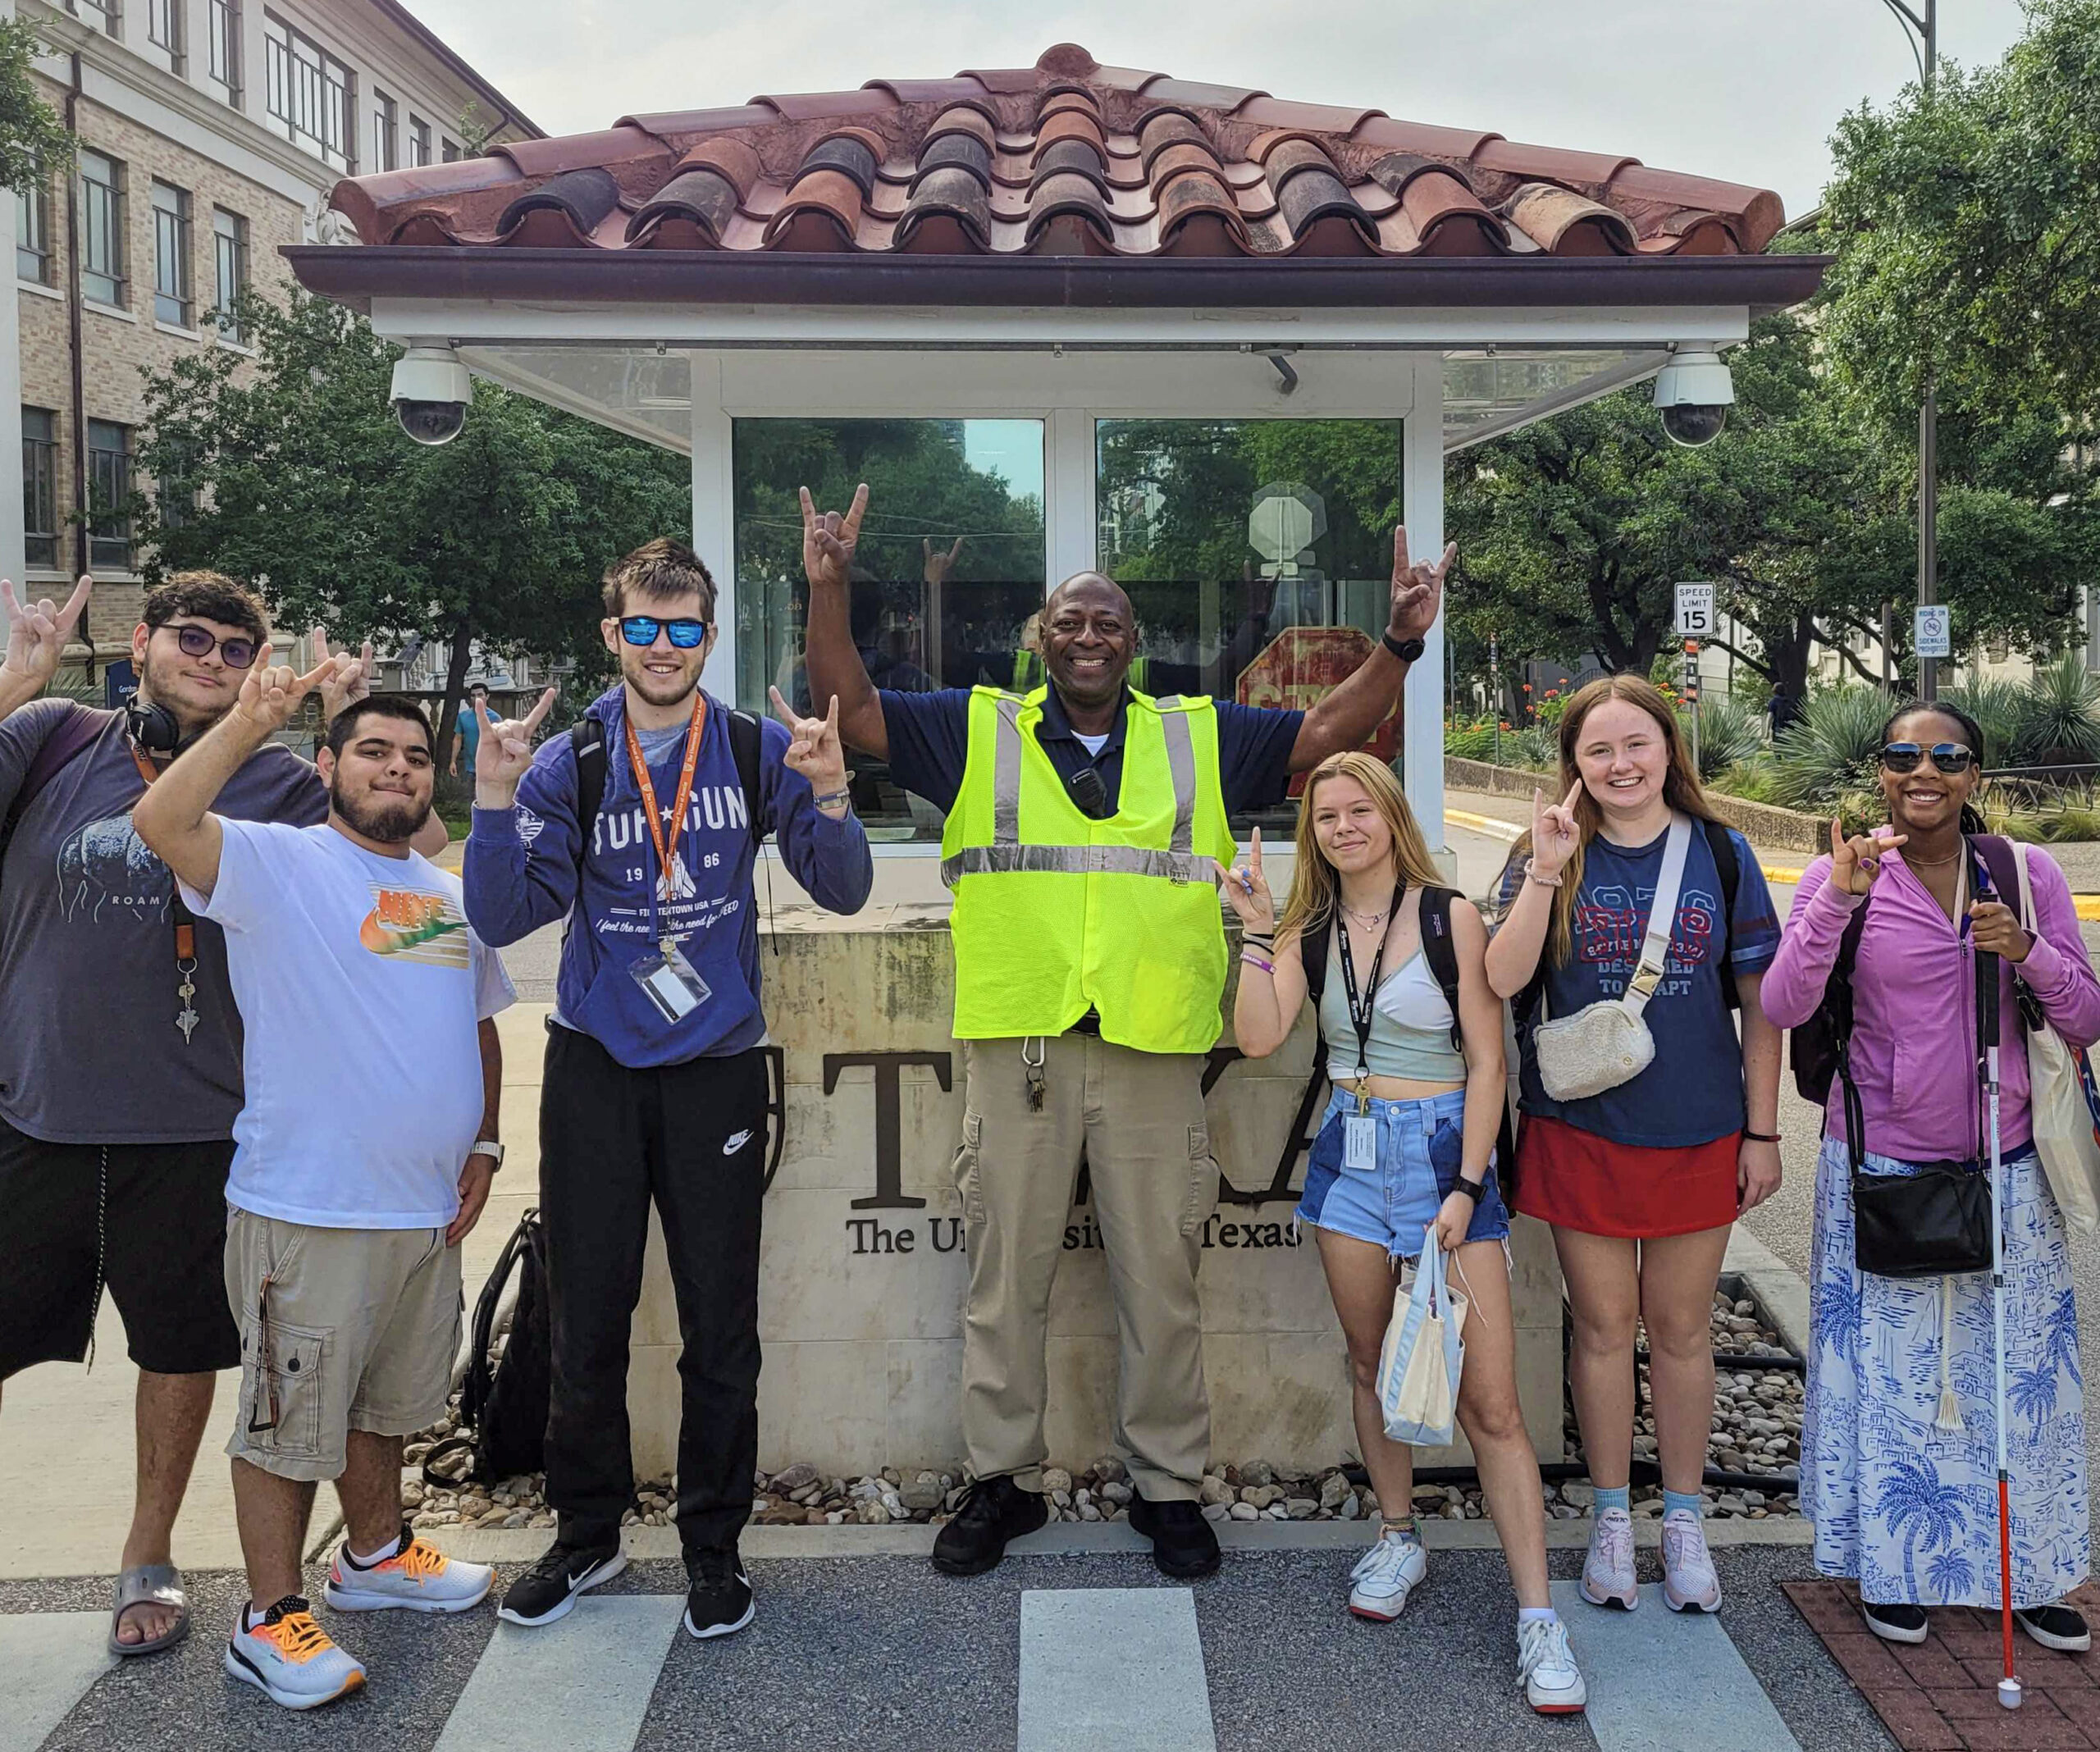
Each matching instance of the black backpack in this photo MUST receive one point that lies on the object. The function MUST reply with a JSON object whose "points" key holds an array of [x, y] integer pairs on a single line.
{"points": [[1815, 1050], [1441, 950], [503, 1402]]}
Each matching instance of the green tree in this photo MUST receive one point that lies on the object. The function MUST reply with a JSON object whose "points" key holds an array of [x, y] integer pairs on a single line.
{"points": [[1967, 229], [292, 473], [1572, 533], [33, 141]]}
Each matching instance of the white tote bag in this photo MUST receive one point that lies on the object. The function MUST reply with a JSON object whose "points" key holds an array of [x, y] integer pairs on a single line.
{"points": [[1420, 1362], [2062, 1116]]}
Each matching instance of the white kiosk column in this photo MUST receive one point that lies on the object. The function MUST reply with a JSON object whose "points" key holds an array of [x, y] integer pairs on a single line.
{"points": [[1421, 708]]}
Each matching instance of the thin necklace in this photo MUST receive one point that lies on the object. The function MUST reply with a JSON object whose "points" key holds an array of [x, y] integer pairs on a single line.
{"points": [[1367, 921], [1933, 864]]}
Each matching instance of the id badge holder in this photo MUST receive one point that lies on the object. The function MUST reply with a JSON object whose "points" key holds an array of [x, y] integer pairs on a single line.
{"points": [[1359, 1143], [669, 978]]}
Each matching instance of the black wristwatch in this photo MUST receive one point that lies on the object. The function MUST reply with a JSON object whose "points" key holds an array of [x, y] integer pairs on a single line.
{"points": [[1408, 650], [1475, 1190]]}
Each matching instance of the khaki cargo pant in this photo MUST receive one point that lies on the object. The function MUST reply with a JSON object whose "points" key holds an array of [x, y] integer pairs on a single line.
{"points": [[1138, 1117]]}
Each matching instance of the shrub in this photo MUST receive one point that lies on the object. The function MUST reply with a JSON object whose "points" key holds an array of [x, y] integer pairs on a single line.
{"points": [[2057, 718], [1998, 707], [1728, 734], [1830, 748], [1754, 780]]}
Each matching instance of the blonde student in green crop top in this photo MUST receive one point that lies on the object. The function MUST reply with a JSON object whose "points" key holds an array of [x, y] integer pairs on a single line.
{"points": [[1404, 1159]]}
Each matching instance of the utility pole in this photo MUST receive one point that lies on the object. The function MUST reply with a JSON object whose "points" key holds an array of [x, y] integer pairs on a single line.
{"points": [[1926, 26]]}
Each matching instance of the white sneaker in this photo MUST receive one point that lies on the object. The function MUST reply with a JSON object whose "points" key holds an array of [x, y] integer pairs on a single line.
{"points": [[1386, 1575], [289, 1658], [418, 1576], [1607, 1571], [1689, 1583], [1553, 1683]]}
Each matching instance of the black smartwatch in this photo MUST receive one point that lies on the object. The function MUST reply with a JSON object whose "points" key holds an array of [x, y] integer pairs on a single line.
{"points": [[1475, 1190], [1408, 650]]}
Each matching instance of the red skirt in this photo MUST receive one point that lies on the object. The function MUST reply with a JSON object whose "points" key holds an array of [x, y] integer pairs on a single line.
{"points": [[1575, 1179]]}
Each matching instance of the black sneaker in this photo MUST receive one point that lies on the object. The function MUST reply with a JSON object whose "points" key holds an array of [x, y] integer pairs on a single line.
{"points": [[719, 1603], [547, 1590], [994, 1511], [1184, 1544], [2055, 1627], [1895, 1624]]}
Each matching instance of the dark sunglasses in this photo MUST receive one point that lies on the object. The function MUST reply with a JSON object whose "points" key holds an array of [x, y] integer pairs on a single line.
{"points": [[200, 641], [641, 630], [1947, 757]]}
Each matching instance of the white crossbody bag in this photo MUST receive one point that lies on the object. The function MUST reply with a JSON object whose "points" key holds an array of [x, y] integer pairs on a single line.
{"points": [[1607, 1043]]}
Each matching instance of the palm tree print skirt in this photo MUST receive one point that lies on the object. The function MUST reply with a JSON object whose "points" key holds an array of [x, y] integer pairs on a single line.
{"points": [[1900, 1501]]}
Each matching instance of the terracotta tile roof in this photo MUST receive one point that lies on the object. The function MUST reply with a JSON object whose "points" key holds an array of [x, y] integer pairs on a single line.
{"points": [[1064, 158]]}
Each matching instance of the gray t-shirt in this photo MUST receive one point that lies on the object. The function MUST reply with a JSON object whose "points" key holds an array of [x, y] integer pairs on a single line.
{"points": [[90, 1051]]}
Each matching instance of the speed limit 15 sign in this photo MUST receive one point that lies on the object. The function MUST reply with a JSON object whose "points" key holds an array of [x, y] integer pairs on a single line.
{"points": [[1694, 610]]}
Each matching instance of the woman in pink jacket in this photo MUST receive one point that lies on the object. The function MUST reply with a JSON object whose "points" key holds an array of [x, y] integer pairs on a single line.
{"points": [[1898, 1471]]}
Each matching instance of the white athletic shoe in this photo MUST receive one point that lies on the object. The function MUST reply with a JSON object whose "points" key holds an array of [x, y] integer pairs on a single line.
{"points": [[416, 1576], [1607, 1571], [1386, 1575], [289, 1658], [1689, 1583], [1553, 1683]]}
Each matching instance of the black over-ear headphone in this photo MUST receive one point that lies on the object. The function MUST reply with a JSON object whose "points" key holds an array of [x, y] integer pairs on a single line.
{"points": [[153, 726]]}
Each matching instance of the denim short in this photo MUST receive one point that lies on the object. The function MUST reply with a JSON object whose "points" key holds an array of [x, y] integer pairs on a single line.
{"points": [[1420, 1144]]}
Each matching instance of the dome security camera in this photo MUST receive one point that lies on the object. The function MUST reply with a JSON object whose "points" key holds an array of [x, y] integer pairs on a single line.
{"points": [[1693, 394], [432, 392]]}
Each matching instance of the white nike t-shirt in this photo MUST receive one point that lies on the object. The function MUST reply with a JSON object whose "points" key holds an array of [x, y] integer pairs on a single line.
{"points": [[360, 987]]}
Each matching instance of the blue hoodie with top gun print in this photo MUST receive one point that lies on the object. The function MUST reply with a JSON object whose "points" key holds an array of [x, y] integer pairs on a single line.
{"points": [[523, 871]]}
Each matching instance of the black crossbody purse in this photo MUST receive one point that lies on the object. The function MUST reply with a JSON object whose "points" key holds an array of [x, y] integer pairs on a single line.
{"points": [[1935, 1223]]}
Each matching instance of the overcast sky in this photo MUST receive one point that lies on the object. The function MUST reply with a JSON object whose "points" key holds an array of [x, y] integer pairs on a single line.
{"points": [[1746, 89]]}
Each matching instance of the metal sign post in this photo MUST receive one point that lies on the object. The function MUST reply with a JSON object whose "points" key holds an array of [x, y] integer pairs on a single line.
{"points": [[1692, 691]]}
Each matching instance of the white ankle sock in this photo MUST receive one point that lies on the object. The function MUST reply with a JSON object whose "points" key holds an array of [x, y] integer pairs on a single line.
{"points": [[379, 1556], [1535, 1615]]}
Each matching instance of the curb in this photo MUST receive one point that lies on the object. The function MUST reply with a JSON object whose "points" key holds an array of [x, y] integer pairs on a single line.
{"points": [[1067, 1539]]}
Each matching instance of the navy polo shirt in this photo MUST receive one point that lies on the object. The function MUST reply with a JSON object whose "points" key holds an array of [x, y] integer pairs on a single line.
{"points": [[929, 745]]}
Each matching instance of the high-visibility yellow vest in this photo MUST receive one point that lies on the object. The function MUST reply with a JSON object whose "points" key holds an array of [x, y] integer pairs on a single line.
{"points": [[1056, 913]]}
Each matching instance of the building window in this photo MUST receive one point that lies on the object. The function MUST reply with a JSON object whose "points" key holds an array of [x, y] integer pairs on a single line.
{"points": [[175, 501], [102, 12], [385, 132], [418, 142], [102, 228], [109, 495], [948, 577], [33, 234], [172, 298], [222, 22], [40, 486], [230, 260], [451, 151], [1257, 554], [307, 92], [164, 28]]}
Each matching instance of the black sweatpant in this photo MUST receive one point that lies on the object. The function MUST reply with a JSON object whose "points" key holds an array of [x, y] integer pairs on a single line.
{"points": [[692, 1136]]}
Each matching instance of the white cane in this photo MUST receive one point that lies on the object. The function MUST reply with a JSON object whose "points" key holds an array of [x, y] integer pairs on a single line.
{"points": [[1986, 983]]}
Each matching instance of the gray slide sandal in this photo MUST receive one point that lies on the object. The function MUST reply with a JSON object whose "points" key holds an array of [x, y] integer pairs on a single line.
{"points": [[159, 1583]]}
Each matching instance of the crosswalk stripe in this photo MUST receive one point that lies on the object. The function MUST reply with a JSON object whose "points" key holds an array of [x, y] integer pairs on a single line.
{"points": [[1661, 1681], [582, 1684], [1105, 1669], [47, 1662]]}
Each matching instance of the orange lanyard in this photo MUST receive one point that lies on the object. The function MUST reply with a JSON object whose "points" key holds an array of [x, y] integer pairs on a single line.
{"points": [[666, 845], [186, 925]]}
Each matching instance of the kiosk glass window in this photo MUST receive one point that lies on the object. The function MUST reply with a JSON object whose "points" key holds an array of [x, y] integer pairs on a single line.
{"points": [[951, 565], [1257, 554]]}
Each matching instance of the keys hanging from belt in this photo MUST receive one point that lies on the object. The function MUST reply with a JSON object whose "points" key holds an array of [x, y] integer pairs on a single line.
{"points": [[1033, 1069]]}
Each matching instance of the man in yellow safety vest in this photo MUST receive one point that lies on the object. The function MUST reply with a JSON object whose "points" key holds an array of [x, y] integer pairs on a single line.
{"points": [[1086, 835]]}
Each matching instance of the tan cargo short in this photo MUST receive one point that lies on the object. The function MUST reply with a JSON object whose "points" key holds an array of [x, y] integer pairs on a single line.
{"points": [[340, 1330]]}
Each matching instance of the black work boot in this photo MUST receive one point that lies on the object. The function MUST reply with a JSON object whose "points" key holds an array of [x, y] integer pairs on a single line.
{"points": [[1184, 1544], [994, 1511]]}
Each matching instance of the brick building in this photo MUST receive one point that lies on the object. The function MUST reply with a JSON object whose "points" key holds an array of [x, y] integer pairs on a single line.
{"points": [[210, 134]]}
